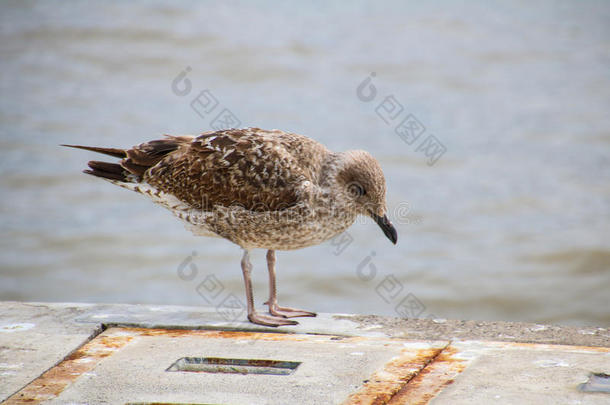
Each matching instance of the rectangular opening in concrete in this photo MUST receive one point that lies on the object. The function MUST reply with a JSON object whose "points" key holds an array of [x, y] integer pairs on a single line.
{"points": [[234, 366]]}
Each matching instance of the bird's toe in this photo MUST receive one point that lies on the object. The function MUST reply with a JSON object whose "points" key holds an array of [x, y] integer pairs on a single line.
{"points": [[270, 320], [288, 312]]}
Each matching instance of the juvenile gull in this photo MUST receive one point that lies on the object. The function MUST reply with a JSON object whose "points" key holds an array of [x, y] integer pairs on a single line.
{"points": [[265, 189]]}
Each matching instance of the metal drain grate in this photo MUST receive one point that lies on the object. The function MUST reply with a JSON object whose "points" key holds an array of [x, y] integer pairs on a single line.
{"points": [[234, 366]]}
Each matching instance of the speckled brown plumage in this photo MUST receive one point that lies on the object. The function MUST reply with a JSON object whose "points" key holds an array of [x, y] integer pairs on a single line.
{"points": [[257, 188], [255, 169]]}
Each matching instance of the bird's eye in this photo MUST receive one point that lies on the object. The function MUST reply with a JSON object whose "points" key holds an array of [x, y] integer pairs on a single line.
{"points": [[356, 190]]}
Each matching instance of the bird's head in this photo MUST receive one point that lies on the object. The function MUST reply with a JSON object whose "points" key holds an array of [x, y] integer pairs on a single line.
{"points": [[361, 179]]}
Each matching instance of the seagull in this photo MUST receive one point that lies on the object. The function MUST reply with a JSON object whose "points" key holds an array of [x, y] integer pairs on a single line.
{"points": [[260, 189]]}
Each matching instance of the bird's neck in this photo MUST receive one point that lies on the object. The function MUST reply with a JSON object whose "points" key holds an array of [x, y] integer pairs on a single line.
{"points": [[333, 186], [332, 166]]}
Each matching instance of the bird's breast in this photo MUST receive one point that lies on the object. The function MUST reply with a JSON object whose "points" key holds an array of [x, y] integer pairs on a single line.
{"points": [[294, 228]]}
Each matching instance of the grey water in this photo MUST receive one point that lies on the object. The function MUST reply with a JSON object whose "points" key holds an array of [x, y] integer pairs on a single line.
{"points": [[507, 219]]}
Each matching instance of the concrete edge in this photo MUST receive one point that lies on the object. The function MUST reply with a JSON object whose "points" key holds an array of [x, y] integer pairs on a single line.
{"points": [[518, 332], [81, 315]]}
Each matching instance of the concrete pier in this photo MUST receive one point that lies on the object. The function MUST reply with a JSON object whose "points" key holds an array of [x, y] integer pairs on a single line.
{"points": [[60, 353]]}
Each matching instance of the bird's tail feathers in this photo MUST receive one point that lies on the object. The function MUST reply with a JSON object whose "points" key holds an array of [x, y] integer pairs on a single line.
{"points": [[109, 171], [135, 161], [119, 153]]}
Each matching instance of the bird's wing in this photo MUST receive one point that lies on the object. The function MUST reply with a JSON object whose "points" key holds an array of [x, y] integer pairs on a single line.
{"points": [[251, 168]]}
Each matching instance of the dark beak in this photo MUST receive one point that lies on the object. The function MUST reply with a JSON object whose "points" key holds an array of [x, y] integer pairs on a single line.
{"points": [[386, 226]]}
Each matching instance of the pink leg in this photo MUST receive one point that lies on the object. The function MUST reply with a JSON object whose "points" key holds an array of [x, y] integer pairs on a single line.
{"points": [[275, 309], [253, 316]]}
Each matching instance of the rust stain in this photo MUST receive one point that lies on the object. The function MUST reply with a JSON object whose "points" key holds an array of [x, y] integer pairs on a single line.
{"points": [[51, 383], [444, 368], [384, 384], [432, 379], [219, 334], [414, 377], [239, 335]]}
